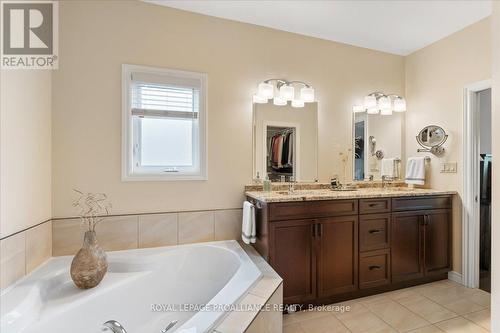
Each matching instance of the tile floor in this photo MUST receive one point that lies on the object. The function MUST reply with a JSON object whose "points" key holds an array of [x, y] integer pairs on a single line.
{"points": [[442, 306]]}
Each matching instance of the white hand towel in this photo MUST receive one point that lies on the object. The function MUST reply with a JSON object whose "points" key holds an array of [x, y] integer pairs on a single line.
{"points": [[387, 168], [415, 171], [248, 231]]}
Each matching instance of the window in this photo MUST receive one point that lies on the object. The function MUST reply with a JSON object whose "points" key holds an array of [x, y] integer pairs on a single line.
{"points": [[164, 124]]}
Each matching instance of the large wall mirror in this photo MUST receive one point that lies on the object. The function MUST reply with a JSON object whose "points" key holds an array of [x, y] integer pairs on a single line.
{"points": [[377, 137], [285, 142]]}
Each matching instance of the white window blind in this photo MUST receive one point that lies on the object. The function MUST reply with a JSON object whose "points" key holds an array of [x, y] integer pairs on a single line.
{"points": [[165, 101]]}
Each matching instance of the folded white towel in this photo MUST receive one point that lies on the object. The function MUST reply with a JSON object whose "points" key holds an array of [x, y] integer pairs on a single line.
{"points": [[248, 231], [415, 171], [388, 167]]}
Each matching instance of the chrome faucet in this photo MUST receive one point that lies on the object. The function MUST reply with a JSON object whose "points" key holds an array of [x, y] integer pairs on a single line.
{"points": [[169, 326], [386, 180], [113, 326]]}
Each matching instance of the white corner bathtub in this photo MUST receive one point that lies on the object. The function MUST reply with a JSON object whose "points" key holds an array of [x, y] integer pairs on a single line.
{"points": [[144, 290]]}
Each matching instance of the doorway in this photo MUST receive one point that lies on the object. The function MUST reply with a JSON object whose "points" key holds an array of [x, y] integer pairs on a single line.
{"points": [[485, 160], [476, 214]]}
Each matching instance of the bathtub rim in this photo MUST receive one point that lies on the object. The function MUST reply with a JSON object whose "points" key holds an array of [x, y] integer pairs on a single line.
{"points": [[230, 245]]}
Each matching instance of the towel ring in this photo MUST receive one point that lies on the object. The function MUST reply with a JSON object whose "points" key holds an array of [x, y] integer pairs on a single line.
{"points": [[256, 203]]}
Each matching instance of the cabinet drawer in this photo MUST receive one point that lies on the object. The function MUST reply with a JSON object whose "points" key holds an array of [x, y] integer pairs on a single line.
{"points": [[379, 205], [419, 203], [312, 209], [374, 232], [374, 269]]}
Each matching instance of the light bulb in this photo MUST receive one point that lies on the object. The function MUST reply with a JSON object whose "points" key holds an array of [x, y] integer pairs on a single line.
{"points": [[372, 110], [287, 92], [279, 101], [399, 104], [307, 94], [370, 102], [386, 112], [358, 108], [384, 103], [298, 103], [259, 99], [266, 90]]}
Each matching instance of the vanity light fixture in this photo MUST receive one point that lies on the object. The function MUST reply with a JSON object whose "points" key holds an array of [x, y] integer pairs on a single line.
{"points": [[379, 102], [266, 90], [399, 104], [307, 94], [370, 102], [386, 112], [282, 91], [278, 100], [287, 92], [298, 103], [259, 99]]}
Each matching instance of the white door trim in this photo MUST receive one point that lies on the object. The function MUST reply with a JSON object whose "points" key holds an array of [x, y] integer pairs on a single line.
{"points": [[470, 203]]}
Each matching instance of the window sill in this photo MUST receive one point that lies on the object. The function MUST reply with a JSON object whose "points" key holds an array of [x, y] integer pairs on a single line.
{"points": [[162, 177]]}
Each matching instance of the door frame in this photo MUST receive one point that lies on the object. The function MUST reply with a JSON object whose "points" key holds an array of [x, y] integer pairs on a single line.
{"points": [[471, 183]]}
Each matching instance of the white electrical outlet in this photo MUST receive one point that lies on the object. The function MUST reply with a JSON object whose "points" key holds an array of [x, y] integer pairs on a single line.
{"points": [[448, 167]]}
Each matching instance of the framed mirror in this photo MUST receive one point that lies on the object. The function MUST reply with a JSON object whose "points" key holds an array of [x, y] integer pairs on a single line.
{"points": [[432, 136], [376, 137], [285, 142]]}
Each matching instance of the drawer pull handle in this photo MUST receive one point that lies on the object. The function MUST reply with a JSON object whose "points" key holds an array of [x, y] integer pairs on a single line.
{"points": [[373, 205], [374, 268], [375, 231]]}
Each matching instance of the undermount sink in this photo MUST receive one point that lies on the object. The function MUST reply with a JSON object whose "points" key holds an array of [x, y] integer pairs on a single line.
{"points": [[298, 192], [399, 189], [344, 189]]}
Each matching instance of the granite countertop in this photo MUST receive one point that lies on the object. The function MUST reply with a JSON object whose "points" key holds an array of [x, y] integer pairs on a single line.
{"points": [[327, 194]]}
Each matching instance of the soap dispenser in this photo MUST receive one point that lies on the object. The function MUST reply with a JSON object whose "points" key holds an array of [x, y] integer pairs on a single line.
{"points": [[267, 184]]}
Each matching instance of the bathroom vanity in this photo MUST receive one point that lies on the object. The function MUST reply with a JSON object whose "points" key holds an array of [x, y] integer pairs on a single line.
{"points": [[331, 246]]}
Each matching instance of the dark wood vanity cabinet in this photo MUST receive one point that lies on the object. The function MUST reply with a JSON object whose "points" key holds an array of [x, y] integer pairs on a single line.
{"points": [[309, 254], [337, 253], [292, 254], [421, 244], [332, 250], [407, 246]]}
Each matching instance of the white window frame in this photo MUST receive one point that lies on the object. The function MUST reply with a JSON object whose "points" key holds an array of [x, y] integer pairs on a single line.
{"points": [[129, 129]]}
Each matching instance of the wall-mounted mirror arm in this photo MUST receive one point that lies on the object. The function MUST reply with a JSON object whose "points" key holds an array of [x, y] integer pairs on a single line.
{"points": [[432, 138]]}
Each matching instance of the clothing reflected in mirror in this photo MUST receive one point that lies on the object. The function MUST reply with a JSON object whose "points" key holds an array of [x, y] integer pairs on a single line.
{"points": [[280, 152]]}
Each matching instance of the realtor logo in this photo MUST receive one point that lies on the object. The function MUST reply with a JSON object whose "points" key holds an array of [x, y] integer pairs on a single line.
{"points": [[29, 34]]}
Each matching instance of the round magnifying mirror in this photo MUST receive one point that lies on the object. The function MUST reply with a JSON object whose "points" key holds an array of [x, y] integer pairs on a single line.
{"points": [[432, 136]]}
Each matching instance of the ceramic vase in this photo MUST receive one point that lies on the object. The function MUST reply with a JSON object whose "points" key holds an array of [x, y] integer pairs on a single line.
{"points": [[90, 264]]}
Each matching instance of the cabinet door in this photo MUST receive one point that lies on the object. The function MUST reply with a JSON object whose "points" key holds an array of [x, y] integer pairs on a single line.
{"points": [[407, 246], [292, 256], [437, 242], [337, 255]]}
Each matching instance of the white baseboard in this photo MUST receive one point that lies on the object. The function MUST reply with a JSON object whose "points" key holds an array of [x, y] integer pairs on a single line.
{"points": [[455, 277]]}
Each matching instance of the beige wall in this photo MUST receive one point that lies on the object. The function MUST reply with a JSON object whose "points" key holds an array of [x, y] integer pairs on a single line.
{"points": [[435, 78], [495, 233], [97, 37], [25, 170]]}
